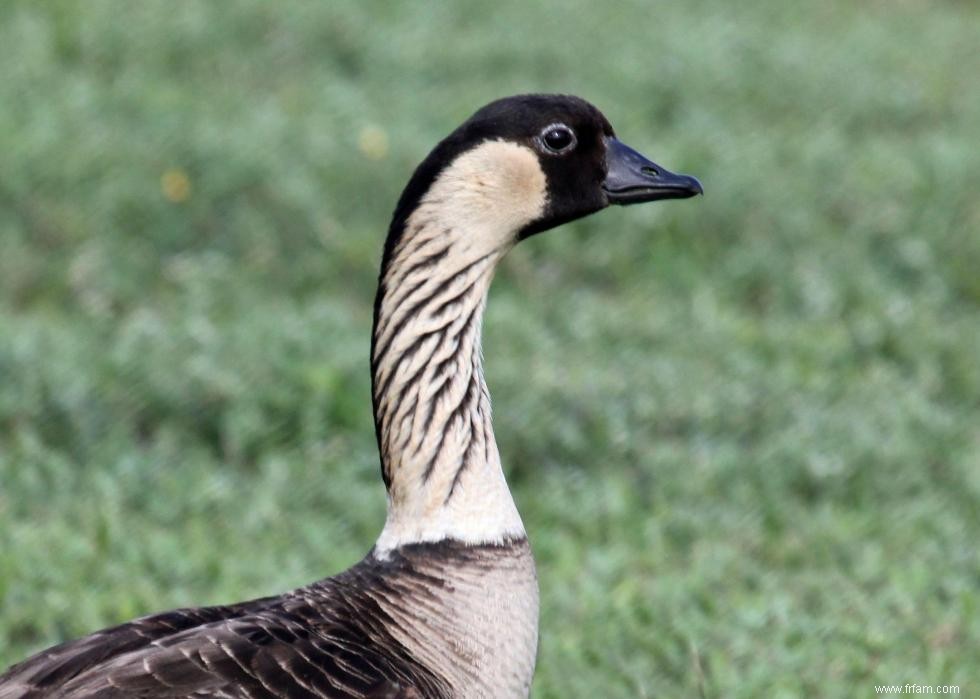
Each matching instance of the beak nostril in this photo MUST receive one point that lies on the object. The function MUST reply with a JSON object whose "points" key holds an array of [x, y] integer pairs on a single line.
{"points": [[650, 171]]}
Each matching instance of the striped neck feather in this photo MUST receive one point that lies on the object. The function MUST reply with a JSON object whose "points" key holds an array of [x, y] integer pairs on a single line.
{"points": [[432, 407]]}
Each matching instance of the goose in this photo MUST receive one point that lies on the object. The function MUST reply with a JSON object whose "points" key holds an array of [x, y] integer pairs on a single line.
{"points": [[446, 602]]}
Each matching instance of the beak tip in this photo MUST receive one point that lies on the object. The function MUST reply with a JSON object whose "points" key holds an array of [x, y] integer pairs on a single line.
{"points": [[692, 185]]}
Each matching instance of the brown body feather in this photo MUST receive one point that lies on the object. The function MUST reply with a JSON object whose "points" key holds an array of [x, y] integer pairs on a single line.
{"points": [[341, 637]]}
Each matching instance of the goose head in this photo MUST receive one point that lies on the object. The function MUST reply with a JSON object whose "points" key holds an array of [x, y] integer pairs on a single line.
{"points": [[525, 164]]}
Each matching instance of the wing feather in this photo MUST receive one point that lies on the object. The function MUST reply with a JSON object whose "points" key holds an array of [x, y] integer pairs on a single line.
{"points": [[275, 648]]}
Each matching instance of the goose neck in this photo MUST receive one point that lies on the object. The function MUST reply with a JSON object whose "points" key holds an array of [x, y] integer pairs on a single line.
{"points": [[439, 457]]}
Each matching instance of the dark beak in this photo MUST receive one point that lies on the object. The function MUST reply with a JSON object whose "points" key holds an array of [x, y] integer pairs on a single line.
{"points": [[632, 179]]}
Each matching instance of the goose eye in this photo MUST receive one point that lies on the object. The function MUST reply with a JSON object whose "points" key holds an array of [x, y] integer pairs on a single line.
{"points": [[558, 139]]}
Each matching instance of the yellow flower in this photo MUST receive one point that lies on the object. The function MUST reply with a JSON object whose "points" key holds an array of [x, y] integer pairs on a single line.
{"points": [[175, 185], [373, 142]]}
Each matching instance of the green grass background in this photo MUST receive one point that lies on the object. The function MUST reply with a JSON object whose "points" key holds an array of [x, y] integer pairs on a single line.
{"points": [[743, 430]]}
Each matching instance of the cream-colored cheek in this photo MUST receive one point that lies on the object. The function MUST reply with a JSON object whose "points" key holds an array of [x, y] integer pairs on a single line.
{"points": [[495, 190]]}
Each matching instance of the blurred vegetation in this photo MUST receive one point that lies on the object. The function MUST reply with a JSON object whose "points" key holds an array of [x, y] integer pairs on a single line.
{"points": [[744, 430]]}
